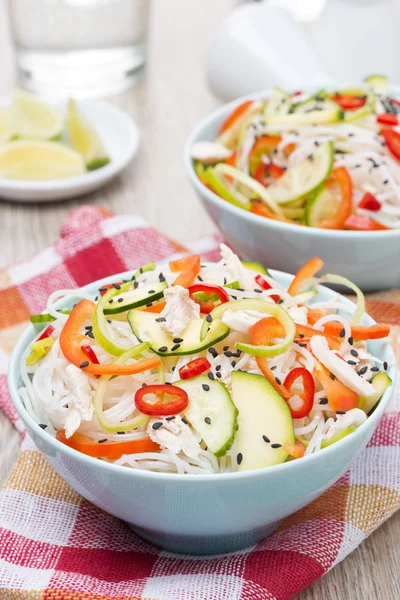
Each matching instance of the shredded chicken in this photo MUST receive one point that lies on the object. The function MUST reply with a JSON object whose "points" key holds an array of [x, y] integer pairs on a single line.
{"points": [[241, 320], [354, 417], [80, 399], [236, 269], [174, 435], [179, 310], [210, 153]]}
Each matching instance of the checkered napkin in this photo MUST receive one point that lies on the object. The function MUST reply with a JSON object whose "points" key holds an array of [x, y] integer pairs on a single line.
{"points": [[56, 545]]}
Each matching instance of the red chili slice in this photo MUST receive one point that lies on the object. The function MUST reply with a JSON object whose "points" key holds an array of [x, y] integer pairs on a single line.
{"points": [[207, 288], [392, 139], [264, 285], [307, 396], [90, 353], [268, 173], [369, 202], [387, 119], [46, 333], [348, 102], [194, 367], [160, 408]]}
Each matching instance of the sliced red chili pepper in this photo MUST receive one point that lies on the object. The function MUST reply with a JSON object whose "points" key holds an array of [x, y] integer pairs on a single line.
{"points": [[369, 202], [194, 367], [341, 185], [207, 288], [264, 285], [160, 408], [268, 173], [387, 119], [263, 146], [109, 286], [359, 223], [395, 101], [307, 396], [392, 139], [46, 333], [297, 93], [235, 115], [348, 102], [90, 353]]}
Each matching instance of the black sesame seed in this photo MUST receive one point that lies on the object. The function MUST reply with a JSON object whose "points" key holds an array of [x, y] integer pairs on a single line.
{"points": [[90, 334], [141, 270], [136, 285], [120, 299], [171, 418], [386, 181], [323, 401], [144, 384], [218, 375], [116, 286], [218, 368], [266, 439], [225, 348], [280, 301], [121, 432], [103, 289], [240, 289], [208, 318], [351, 362], [163, 349], [363, 370], [375, 369], [210, 376], [151, 291], [213, 352], [303, 344], [342, 332], [351, 340], [149, 304], [173, 368], [157, 425], [199, 278], [96, 298], [239, 458], [233, 297], [42, 425], [354, 352], [109, 321], [340, 412], [111, 301], [301, 335], [278, 381], [207, 420], [177, 340], [168, 383], [84, 364], [276, 445], [258, 290], [233, 363], [176, 347], [228, 354], [273, 368], [161, 319], [185, 421], [385, 365], [205, 387], [102, 441]]}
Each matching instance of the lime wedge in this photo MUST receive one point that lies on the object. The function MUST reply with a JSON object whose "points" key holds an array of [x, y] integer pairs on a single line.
{"points": [[34, 119], [85, 139], [5, 125], [37, 160]]}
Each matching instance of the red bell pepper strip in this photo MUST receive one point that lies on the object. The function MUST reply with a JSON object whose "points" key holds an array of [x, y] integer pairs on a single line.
{"points": [[207, 288], [268, 173], [159, 408], [339, 396], [340, 178], [258, 208], [231, 161], [90, 353], [307, 396], [264, 285], [194, 367], [46, 333], [359, 223], [348, 102], [70, 344], [236, 114], [189, 267], [269, 376], [369, 202], [106, 449], [108, 286], [392, 139], [155, 308], [296, 450], [306, 272], [387, 119], [263, 146]]}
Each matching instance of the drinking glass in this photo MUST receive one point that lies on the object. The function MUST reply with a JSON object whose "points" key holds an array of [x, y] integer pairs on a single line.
{"points": [[80, 47]]}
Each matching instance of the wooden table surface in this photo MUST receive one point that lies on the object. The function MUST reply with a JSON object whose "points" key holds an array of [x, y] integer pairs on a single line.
{"points": [[166, 105]]}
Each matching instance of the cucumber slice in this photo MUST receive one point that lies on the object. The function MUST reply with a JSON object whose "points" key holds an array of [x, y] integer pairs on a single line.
{"points": [[279, 103], [304, 178], [381, 381], [321, 205], [134, 298], [338, 437], [212, 401], [262, 412], [256, 267], [146, 328], [319, 102], [297, 214], [304, 297], [45, 317], [378, 83], [354, 115], [316, 110], [215, 181]]}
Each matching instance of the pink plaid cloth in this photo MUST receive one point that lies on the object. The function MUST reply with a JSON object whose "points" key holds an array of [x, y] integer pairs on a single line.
{"points": [[56, 545]]}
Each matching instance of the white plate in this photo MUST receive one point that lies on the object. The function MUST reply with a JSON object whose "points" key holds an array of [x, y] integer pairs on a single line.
{"points": [[120, 137]]}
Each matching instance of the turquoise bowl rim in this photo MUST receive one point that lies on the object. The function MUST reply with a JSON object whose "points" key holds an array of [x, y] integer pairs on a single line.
{"points": [[92, 289]]}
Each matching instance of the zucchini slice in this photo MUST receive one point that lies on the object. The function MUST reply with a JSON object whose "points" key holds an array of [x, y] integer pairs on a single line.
{"points": [[133, 298]]}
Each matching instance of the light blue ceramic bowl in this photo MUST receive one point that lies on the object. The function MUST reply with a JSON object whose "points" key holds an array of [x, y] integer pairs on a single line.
{"points": [[367, 258], [203, 514]]}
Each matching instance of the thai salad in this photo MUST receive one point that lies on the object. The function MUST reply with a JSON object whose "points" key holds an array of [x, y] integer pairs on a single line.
{"points": [[329, 160], [203, 368]]}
